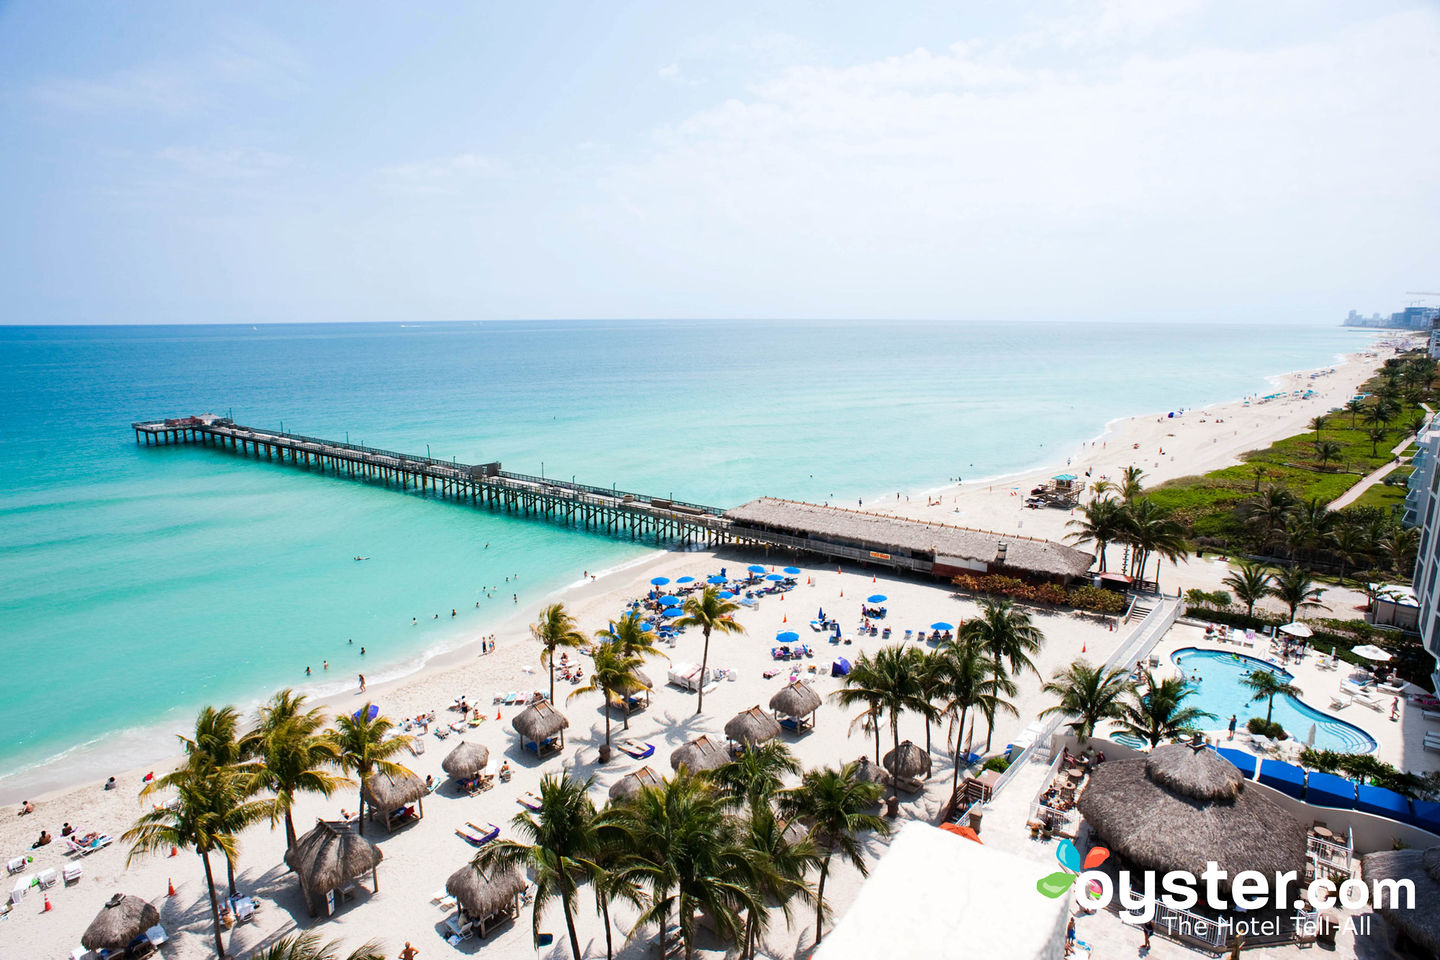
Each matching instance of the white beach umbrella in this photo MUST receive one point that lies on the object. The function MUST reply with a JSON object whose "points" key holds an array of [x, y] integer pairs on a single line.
{"points": [[1371, 652], [1296, 630], [1310, 737]]}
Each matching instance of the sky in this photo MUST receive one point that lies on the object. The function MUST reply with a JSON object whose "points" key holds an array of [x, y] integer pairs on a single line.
{"points": [[1177, 160]]}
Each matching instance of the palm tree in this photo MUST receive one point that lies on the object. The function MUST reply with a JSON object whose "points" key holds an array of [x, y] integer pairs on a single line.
{"points": [[361, 745], [195, 820], [308, 946], [1088, 695], [1265, 685], [291, 754], [1007, 634], [1100, 488], [971, 681], [555, 629], [837, 806], [710, 613], [1101, 522], [1251, 584], [1375, 434], [1311, 524], [1348, 545], [1130, 483], [754, 776], [863, 685], [1154, 530], [557, 847], [1353, 406], [612, 675], [684, 851], [1270, 511], [893, 681], [1317, 422], [630, 634], [774, 870], [1400, 546], [1327, 450], [1159, 713], [1294, 588]]}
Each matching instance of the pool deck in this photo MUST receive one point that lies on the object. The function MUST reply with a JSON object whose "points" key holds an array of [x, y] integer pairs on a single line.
{"points": [[1401, 742]]}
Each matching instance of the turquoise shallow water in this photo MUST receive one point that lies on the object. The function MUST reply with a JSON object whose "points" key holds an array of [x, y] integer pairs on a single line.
{"points": [[1216, 676], [139, 583]]}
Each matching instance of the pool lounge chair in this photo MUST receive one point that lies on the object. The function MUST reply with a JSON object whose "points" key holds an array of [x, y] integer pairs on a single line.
{"points": [[1370, 700], [1430, 714], [1340, 701]]}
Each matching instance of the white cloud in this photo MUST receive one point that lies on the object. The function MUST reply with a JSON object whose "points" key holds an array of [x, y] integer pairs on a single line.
{"points": [[233, 163], [1071, 153], [444, 174], [669, 72]]}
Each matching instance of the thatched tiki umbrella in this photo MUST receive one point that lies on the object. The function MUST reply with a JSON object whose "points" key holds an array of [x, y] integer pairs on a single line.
{"points": [[466, 760], [907, 763], [541, 728], [121, 920], [795, 706], [331, 857], [632, 783], [486, 898], [699, 754], [390, 797], [1183, 806], [868, 771], [1420, 925], [752, 726]]}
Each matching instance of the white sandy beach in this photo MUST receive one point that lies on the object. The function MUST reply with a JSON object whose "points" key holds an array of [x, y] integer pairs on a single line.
{"points": [[419, 858]]}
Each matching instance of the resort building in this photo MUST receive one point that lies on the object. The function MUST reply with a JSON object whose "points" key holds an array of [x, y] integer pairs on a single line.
{"points": [[1420, 511], [938, 549]]}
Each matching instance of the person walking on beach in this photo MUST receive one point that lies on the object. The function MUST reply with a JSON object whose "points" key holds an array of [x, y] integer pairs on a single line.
{"points": [[1232, 727], [409, 953], [362, 683]]}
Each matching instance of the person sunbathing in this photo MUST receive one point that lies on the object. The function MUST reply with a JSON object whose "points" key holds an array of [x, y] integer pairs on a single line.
{"points": [[45, 838]]}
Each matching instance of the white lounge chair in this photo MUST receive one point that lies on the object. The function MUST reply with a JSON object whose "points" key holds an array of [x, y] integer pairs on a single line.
{"points": [[1430, 714], [156, 935], [47, 878], [71, 873], [1339, 701], [1371, 701], [16, 866]]}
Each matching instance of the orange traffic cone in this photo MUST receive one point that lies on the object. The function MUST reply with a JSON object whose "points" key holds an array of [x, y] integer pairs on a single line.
{"points": [[170, 887], [48, 908], [174, 850], [1082, 648], [784, 619], [872, 580], [497, 713]]}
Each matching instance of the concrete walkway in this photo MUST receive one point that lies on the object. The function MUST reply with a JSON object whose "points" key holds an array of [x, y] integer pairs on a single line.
{"points": [[1374, 477]]}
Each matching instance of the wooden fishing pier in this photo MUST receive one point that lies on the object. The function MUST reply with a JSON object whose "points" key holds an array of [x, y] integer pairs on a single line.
{"points": [[871, 539], [616, 513]]}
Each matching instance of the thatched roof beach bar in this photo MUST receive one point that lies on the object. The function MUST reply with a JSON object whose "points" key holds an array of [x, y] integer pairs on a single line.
{"points": [[485, 898], [541, 728], [121, 920], [396, 799], [751, 727], [795, 706], [939, 549]]}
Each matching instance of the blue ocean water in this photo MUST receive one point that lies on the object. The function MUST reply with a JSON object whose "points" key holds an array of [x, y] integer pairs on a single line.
{"points": [[1217, 677], [138, 583]]}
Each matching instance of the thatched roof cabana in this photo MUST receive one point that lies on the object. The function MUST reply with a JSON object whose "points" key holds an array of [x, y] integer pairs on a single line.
{"points": [[628, 696], [752, 726], [121, 920], [797, 704], [466, 760], [541, 727], [486, 898], [867, 770], [1422, 868], [940, 547], [1183, 806], [699, 754], [389, 796], [907, 763], [633, 782], [331, 857]]}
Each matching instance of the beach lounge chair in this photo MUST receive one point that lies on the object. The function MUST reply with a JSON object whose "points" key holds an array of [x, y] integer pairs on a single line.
{"points": [[16, 866], [480, 837], [441, 732], [460, 926], [633, 749], [47, 878], [1431, 743], [1430, 714], [72, 873], [529, 800]]}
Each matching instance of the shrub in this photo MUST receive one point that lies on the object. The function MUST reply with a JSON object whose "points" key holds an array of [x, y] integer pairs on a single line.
{"points": [[1271, 729], [1097, 600], [998, 762]]}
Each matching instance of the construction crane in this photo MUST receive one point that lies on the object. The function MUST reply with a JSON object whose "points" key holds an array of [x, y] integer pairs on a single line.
{"points": [[1421, 293]]}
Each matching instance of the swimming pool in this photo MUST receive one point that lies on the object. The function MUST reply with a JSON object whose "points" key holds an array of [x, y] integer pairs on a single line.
{"points": [[1216, 675]]}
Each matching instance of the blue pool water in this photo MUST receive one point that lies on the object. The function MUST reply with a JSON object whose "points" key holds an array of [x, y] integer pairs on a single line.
{"points": [[1216, 677]]}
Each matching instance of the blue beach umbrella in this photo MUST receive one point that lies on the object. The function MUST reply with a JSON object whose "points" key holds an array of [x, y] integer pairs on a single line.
{"points": [[670, 612], [789, 636], [876, 598], [669, 601], [776, 577], [755, 568], [942, 625], [793, 571], [717, 580], [686, 580], [725, 594], [659, 581], [646, 627], [373, 713]]}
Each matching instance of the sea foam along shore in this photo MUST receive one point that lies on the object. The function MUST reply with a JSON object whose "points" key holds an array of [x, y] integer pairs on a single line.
{"points": [[418, 859]]}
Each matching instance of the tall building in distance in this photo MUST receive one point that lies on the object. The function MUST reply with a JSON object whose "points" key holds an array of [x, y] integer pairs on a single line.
{"points": [[1421, 511], [1411, 318]]}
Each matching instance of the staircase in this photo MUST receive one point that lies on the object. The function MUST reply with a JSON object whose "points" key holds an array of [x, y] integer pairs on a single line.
{"points": [[1138, 609]]}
